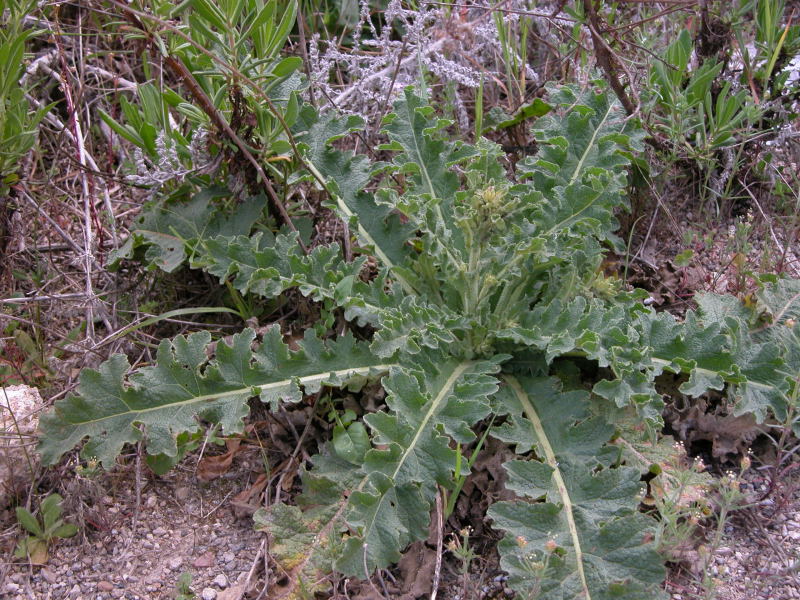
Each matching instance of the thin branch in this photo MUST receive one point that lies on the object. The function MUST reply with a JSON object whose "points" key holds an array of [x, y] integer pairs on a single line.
{"points": [[605, 57]]}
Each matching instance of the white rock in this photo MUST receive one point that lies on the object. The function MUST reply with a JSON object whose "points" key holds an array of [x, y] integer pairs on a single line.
{"points": [[220, 581], [20, 406], [208, 594]]}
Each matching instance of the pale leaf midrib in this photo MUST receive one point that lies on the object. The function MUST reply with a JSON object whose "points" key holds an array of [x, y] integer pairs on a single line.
{"points": [[579, 168], [382, 256], [590, 145], [561, 486], [248, 390], [433, 408]]}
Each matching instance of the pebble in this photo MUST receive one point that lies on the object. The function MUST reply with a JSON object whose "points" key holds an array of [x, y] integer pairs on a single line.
{"points": [[105, 586], [208, 594], [220, 581], [205, 560], [175, 563], [49, 576], [159, 531]]}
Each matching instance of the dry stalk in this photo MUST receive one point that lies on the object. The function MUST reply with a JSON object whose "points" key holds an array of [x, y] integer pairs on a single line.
{"points": [[87, 183]]}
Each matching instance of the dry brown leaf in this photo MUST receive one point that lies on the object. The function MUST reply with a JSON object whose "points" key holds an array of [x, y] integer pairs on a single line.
{"points": [[242, 503], [416, 568], [211, 467]]}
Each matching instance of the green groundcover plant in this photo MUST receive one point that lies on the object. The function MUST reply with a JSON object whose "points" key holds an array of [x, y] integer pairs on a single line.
{"points": [[489, 306]]}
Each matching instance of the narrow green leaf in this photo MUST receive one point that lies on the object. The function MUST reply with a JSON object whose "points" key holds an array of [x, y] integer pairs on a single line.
{"points": [[29, 522]]}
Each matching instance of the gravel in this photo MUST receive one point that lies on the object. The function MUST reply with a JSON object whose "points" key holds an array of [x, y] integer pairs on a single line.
{"points": [[141, 555]]}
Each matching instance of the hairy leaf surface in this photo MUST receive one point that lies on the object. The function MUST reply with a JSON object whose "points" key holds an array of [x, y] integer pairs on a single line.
{"points": [[347, 174], [184, 385], [412, 454], [577, 533], [170, 231]]}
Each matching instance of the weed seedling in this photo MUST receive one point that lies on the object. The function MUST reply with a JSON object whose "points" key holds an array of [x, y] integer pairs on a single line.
{"points": [[183, 588], [42, 532]]}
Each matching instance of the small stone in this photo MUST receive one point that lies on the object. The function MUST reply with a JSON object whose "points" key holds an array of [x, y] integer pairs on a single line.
{"points": [[75, 591], [228, 557], [220, 581], [105, 586], [49, 576], [230, 567], [11, 588], [205, 560], [208, 594], [181, 494], [159, 531], [151, 501], [175, 563]]}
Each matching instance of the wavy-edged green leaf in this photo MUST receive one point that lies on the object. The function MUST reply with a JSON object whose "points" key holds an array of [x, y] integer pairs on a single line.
{"points": [[411, 455], [306, 539], [411, 128], [164, 400], [268, 265], [765, 346], [346, 175], [576, 532], [713, 346], [414, 325], [170, 231], [580, 166]]}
